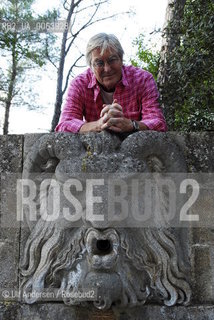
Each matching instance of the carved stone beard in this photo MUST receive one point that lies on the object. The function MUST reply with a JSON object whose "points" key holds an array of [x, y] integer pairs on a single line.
{"points": [[104, 269], [141, 264]]}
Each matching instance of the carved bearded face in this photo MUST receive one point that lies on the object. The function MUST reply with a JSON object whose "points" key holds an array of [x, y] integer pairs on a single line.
{"points": [[124, 266]]}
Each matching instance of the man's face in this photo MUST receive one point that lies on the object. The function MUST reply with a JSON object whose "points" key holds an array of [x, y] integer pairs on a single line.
{"points": [[107, 68]]}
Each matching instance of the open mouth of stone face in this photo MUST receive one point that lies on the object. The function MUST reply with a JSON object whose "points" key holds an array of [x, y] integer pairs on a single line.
{"points": [[102, 248]]}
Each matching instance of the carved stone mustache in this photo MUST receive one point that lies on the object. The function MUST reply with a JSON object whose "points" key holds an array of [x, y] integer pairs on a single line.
{"points": [[102, 248]]}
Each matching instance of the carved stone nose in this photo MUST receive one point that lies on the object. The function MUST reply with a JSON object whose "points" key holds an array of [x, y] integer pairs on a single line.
{"points": [[102, 246]]}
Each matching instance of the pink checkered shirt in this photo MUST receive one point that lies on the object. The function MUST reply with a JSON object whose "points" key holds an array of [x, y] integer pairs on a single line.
{"points": [[136, 92]]}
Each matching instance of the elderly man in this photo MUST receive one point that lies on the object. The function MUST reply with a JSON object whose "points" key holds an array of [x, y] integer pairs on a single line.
{"points": [[110, 95]]}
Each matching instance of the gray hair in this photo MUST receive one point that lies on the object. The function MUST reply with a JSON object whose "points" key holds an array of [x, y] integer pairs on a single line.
{"points": [[103, 41]]}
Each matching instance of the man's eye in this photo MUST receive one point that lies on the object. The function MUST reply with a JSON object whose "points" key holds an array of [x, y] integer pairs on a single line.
{"points": [[99, 63], [112, 60]]}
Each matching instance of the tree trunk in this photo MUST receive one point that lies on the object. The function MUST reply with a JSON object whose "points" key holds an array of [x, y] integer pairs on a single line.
{"points": [[10, 92], [6, 117], [174, 14], [57, 110], [59, 94], [60, 72]]}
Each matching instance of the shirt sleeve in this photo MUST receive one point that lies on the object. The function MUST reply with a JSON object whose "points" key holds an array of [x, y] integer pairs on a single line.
{"points": [[152, 115], [71, 118]]}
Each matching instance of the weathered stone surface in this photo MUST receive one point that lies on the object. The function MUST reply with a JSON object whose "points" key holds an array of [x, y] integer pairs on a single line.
{"points": [[51, 311], [139, 264], [198, 149], [29, 140], [203, 236], [11, 153], [108, 153], [10, 164], [204, 273]]}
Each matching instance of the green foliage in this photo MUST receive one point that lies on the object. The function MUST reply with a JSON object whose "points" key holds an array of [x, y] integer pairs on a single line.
{"points": [[29, 44], [145, 57], [189, 88], [22, 48]]}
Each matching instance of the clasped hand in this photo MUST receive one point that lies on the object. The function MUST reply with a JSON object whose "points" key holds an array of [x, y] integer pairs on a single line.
{"points": [[112, 118]]}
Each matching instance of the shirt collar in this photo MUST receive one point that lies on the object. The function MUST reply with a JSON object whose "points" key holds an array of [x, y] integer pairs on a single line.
{"points": [[124, 79], [93, 80]]}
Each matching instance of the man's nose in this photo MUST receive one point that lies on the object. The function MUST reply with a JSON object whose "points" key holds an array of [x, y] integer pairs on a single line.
{"points": [[107, 67]]}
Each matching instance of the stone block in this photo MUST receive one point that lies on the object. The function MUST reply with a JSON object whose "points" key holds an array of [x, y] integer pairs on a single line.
{"points": [[29, 140], [202, 267], [52, 311], [10, 165], [11, 153], [198, 149], [100, 153]]}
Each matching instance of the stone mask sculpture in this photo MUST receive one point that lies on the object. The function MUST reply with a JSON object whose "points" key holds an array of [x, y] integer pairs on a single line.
{"points": [[127, 266]]}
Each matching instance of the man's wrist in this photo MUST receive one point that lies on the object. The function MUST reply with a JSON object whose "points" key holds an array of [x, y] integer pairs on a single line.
{"points": [[136, 126], [93, 126]]}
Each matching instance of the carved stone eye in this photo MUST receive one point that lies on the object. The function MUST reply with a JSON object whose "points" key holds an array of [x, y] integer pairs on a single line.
{"points": [[50, 165]]}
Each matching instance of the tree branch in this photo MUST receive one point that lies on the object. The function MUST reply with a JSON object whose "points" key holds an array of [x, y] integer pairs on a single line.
{"points": [[64, 5], [87, 24], [91, 6], [47, 54], [69, 72]]}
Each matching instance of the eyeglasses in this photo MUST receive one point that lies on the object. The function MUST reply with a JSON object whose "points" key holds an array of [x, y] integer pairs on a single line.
{"points": [[99, 64]]}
